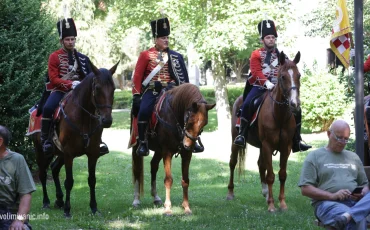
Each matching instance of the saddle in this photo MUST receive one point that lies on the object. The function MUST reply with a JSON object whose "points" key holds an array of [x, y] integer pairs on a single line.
{"points": [[254, 109], [153, 121]]}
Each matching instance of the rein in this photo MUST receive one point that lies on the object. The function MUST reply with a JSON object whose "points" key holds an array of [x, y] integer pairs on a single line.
{"points": [[285, 102], [177, 129], [86, 136]]}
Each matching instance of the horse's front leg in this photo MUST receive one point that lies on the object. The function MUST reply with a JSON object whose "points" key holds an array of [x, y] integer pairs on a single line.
{"points": [[43, 164], [68, 184], [92, 182], [270, 176], [168, 180], [185, 163], [154, 164], [55, 170], [232, 164], [284, 155]]}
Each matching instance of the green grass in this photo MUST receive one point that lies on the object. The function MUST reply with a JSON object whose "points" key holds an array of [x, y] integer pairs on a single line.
{"points": [[121, 120], [207, 192]]}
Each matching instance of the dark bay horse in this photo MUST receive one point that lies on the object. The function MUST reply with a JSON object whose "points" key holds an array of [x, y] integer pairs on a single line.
{"points": [[273, 132], [87, 111], [181, 119]]}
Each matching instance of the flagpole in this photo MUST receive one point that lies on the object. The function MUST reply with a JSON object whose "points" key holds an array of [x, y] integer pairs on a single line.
{"points": [[359, 79]]}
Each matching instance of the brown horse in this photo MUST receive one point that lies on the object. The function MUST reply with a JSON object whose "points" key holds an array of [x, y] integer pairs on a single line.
{"points": [[274, 131], [181, 119], [87, 111]]}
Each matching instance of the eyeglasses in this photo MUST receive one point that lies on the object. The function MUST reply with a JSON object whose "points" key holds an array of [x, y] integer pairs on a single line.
{"points": [[341, 140]]}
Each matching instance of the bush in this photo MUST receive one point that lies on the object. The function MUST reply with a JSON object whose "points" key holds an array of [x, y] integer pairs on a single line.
{"points": [[123, 99], [26, 40], [322, 100]]}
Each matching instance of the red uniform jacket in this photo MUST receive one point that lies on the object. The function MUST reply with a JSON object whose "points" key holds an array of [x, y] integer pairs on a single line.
{"points": [[257, 61], [367, 65], [144, 66]]}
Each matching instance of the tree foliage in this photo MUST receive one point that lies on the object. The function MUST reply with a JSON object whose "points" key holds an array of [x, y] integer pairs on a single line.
{"points": [[26, 40]]}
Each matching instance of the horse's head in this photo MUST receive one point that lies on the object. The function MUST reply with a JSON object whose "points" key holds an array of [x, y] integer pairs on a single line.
{"points": [[289, 79], [103, 94], [195, 119]]}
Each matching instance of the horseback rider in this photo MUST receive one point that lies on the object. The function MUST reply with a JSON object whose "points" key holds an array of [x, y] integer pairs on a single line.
{"points": [[264, 66], [157, 68], [66, 68]]}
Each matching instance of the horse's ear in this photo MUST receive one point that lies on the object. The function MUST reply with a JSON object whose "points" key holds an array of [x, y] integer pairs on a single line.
{"points": [[194, 107], [208, 107], [282, 58], [297, 57], [94, 69], [114, 68]]}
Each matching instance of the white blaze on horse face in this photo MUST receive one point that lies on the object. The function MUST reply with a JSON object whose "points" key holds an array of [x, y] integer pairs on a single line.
{"points": [[293, 92]]}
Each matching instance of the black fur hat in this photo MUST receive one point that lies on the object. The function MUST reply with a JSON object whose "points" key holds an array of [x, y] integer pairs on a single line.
{"points": [[160, 27], [66, 28], [267, 27]]}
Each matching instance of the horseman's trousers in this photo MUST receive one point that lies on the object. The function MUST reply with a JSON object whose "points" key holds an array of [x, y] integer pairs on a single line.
{"points": [[52, 103], [147, 105]]}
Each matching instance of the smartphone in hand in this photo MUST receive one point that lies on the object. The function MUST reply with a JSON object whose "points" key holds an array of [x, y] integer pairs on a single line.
{"points": [[357, 190]]}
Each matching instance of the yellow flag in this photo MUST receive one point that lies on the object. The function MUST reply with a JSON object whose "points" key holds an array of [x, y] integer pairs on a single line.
{"points": [[339, 42]]}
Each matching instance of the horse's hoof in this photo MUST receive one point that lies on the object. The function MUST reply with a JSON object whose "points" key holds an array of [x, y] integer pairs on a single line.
{"points": [[272, 210], [167, 213], [158, 202], [136, 203], [46, 206], [188, 211], [58, 204], [97, 213], [67, 215], [283, 209], [230, 197]]}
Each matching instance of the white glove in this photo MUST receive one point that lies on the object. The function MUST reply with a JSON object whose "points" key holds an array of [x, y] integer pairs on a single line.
{"points": [[269, 85], [352, 53], [75, 83]]}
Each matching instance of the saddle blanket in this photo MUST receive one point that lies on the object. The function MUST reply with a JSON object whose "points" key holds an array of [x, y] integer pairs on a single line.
{"points": [[152, 123], [34, 125]]}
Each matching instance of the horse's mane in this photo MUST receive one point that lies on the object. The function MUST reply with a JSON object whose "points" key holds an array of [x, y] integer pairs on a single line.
{"points": [[182, 97]]}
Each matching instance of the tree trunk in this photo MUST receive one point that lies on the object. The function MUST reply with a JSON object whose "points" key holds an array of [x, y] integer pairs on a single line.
{"points": [[222, 99]]}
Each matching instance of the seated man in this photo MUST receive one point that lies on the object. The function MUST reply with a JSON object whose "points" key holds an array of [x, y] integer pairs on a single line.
{"points": [[16, 185], [330, 175]]}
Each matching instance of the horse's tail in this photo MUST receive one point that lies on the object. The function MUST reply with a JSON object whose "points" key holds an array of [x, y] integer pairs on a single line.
{"points": [[241, 161], [241, 151], [137, 166], [137, 171]]}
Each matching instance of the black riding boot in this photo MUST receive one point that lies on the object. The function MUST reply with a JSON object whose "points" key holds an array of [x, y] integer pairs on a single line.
{"points": [[47, 145], [297, 144], [142, 150], [103, 149], [198, 148], [243, 133]]}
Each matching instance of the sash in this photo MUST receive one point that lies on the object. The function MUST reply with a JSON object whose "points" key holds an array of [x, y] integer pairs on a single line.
{"points": [[155, 70], [268, 68]]}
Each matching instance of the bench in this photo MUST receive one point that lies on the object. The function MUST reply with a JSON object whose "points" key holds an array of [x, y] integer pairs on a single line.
{"points": [[318, 223]]}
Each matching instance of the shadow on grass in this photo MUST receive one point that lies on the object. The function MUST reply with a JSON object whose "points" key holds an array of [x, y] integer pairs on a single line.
{"points": [[207, 196]]}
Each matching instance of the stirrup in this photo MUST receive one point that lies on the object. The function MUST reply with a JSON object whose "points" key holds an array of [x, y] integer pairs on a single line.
{"points": [[47, 148]]}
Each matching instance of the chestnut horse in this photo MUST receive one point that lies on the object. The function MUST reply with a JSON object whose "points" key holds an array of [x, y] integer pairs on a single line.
{"points": [[87, 111], [181, 119], [273, 131]]}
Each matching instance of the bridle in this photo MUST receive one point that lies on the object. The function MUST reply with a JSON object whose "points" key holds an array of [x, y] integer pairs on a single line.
{"points": [[86, 136], [178, 130]]}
